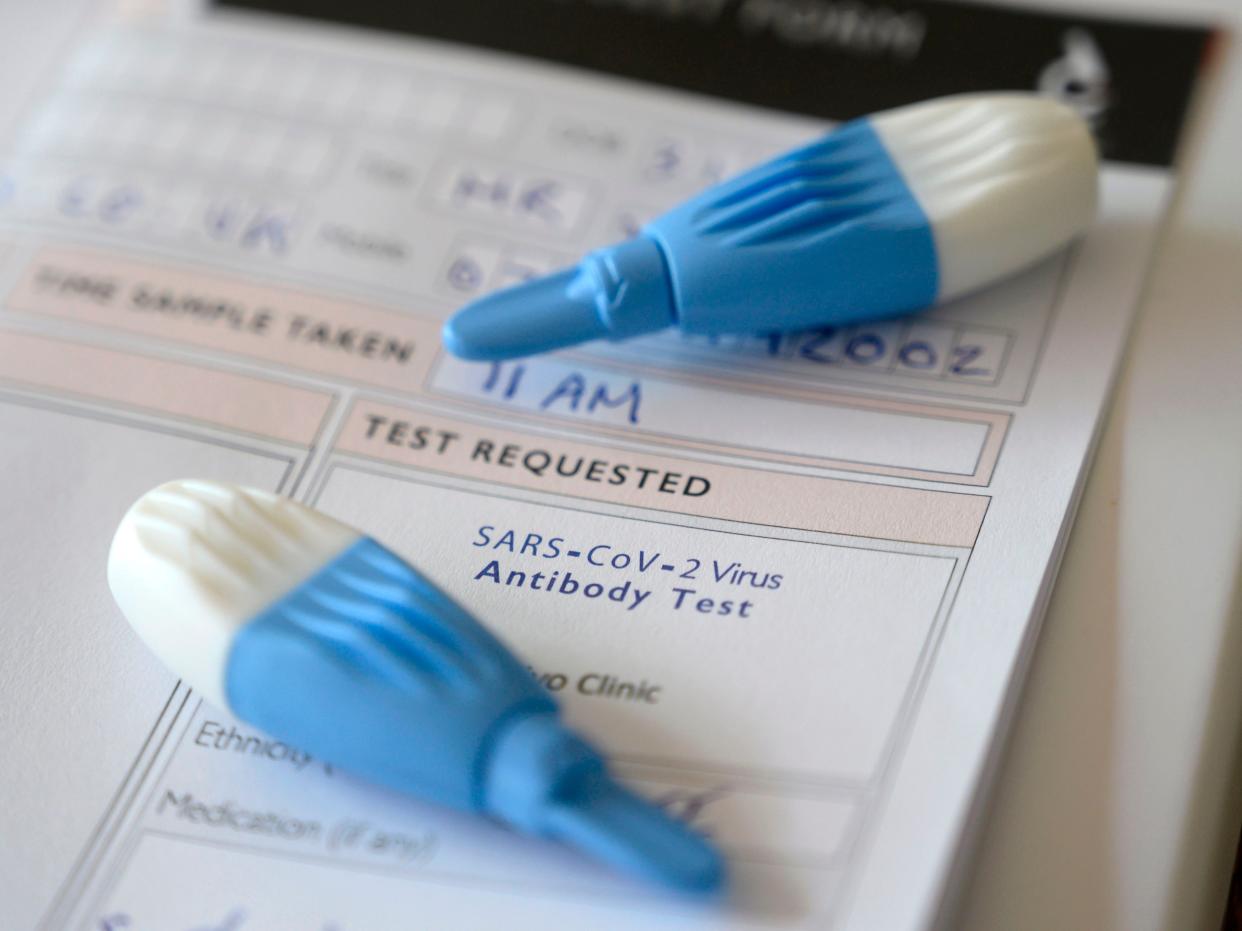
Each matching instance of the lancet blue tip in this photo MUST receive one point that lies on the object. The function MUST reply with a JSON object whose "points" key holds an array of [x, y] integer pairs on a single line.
{"points": [[614, 293], [327, 640], [886, 215]]}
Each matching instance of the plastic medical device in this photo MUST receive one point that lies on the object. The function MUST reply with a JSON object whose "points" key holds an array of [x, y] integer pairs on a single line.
{"points": [[325, 639], [888, 214]]}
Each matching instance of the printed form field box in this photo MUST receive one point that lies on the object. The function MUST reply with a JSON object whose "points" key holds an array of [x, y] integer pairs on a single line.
{"points": [[747, 822], [848, 621], [346, 341], [499, 456], [225, 399], [873, 435], [275, 889], [320, 817]]}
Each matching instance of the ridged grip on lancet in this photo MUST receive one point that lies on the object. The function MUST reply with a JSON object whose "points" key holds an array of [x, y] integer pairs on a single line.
{"points": [[827, 233], [804, 195], [369, 666], [193, 561]]}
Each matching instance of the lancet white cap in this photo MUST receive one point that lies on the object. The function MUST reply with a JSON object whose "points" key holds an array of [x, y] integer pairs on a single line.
{"points": [[193, 561], [1004, 179]]}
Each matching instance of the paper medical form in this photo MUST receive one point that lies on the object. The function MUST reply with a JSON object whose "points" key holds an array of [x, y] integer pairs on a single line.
{"points": [[789, 582]]}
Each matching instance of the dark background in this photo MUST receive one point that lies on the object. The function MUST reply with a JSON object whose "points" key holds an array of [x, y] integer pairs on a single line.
{"points": [[704, 46]]}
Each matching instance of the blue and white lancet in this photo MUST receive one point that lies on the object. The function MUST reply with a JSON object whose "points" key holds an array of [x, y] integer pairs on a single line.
{"points": [[886, 215], [327, 640]]}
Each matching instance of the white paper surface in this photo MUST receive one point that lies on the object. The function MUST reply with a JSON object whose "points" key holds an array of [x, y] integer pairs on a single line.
{"points": [[226, 247]]}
